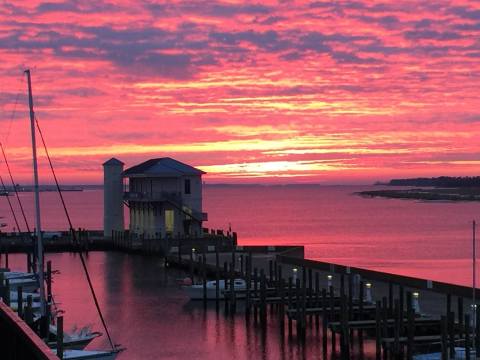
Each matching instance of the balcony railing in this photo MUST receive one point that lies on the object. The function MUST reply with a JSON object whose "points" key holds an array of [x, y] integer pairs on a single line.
{"points": [[153, 196]]}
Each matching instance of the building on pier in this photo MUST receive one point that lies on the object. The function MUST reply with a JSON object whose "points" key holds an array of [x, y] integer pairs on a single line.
{"points": [[164, 197]]}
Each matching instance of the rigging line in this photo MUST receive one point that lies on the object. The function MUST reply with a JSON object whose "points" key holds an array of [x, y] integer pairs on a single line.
{"points": [[75, 238], [10, 204], [12, 117], [15, 189]]}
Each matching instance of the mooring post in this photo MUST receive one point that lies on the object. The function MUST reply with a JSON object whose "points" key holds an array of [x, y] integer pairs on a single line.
{"points": [[410, 332], [468, 345], [477, 333], [29, 311], [304, 303], [60, 337], [204, 278], [460, 313], [20, 302], [317, 300], [324, 323], [270, 271], [255, 292], [396, 331], [217, 276], [225, 283], [390, 299], [281, 315], [378, 332], [248, 281], [444, 326], [49, 278], [298, 315], [232, 288], [451, 334], [360, 311], [289, 305], [263, 305]]}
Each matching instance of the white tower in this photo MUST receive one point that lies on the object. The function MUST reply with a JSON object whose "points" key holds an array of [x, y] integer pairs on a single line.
{"points": [[112, 197]]}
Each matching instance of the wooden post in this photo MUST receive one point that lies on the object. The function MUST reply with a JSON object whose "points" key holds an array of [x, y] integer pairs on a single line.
{"points": [[255, 292], [289, 304], [410, 332], [360, 311], [444, 326], [248, 281], [324, 323], [49, 278], [270, 271], [20, 301], [226, 280], [390, 299], [263, 305], [281, 315], [204, 278], [468, 345], [317, 300], [233, 295], [217, 277], [378, 332], [451, 334], [396, 331], [60, 337], [460, 312], [29, 311]]}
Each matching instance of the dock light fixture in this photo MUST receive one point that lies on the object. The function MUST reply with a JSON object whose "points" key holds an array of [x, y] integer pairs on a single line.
{"points": [[368, 293], [416, 302], [295, 272], [329, 280], [194, 254]]}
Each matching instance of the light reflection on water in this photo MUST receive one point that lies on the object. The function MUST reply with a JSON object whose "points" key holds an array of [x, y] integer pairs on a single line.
{"points": [[149, 314]]}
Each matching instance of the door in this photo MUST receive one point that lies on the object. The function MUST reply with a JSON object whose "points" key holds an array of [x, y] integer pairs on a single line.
{"points": [[169, 221]]}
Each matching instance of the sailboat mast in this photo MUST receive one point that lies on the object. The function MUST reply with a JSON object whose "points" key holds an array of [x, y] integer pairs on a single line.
{"points": [[38, 225]]}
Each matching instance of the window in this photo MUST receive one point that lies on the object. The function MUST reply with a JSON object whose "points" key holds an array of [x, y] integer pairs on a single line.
{"points": [[187, 186]]}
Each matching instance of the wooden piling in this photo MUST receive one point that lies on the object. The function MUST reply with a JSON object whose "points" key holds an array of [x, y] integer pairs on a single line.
{"points": [[468, 344], [317, 299], [20, 302], [324, 323], [444, 328], [451, 334], [378, 332], [49, 278], [289, 304], [60, 337]]}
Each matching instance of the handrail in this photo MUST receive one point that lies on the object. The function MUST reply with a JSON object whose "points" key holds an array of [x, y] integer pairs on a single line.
{"points": [[29, 339]]}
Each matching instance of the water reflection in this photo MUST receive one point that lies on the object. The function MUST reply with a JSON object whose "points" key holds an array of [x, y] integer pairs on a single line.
{"points": [[148, 313]]}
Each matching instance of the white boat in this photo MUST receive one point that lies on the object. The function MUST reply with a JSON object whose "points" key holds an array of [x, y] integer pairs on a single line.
{"points": [[14, 296], [27, 281], [74, 339], [195, 292], [460, 354], [87, 354]]}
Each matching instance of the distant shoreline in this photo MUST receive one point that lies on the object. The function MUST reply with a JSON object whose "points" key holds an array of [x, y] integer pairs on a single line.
{"points": [[436, 194]]}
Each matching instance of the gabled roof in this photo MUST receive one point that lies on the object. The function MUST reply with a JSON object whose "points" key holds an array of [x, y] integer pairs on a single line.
{"points": [[162, 167], [113, 161]]}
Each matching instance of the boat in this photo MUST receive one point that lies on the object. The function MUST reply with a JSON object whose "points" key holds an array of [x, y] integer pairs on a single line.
{"points": [[76, 339], [88, 354], [195, 291]]}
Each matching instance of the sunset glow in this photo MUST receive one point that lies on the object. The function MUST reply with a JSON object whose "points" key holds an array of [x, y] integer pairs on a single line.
{"points": [[270, 92]]}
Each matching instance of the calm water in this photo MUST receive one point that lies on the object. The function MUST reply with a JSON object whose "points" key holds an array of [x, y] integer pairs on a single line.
{"points": [[148, 313], [423, 239]]}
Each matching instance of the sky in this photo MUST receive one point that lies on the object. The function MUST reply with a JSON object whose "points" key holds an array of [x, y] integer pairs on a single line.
{"points": [[269, 92]]}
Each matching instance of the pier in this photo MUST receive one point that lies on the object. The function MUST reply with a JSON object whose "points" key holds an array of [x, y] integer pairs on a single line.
{"points": [[342, 307]]}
